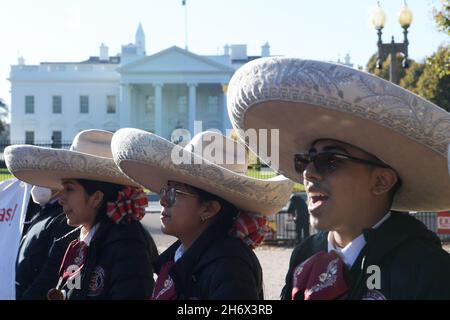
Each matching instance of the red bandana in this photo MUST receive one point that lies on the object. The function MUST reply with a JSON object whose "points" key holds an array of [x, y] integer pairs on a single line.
{"points": [[321, 277], [164, 287], [130, 204], [250, 228]]}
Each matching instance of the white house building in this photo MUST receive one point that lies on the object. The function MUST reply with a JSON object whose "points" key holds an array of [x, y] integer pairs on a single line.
{"points": [[158, 93]]}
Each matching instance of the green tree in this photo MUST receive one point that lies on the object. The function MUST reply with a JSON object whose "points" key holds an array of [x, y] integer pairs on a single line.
{"points": [[431, 80], [371, 66], [442, 17], [434, 83], [412, 75], [3, 113]]}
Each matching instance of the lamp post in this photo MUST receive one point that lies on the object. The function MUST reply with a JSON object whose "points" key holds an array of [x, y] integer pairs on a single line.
{"points": [[392, 48]]}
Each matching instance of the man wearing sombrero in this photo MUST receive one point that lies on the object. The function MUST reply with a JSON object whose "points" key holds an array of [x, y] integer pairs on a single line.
{"points": [[362, 147]]}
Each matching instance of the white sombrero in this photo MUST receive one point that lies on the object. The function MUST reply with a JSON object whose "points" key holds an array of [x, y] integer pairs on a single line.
{"points": [[89, 158], [310, 100], [153, 161]]}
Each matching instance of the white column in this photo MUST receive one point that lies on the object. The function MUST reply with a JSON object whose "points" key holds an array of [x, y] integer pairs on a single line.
{"points": [[226, 124], [124, 115], [192, 106], [158, 108]]}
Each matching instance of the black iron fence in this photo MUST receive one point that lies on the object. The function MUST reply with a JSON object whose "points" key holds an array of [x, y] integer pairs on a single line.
{"points": [[283, 232], [281, 229], [430, 220]]}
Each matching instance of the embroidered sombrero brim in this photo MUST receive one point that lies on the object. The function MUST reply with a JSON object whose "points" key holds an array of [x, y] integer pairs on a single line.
{"points": [[47, 167], [147, 159], [310, 100]]}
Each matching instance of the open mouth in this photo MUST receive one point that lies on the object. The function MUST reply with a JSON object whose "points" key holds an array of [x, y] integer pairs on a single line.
{"points": [[316, 199]]}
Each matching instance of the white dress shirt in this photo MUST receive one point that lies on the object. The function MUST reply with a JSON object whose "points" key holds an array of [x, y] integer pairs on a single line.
{"points": [[351, 251], [87, 237], [179, 253]]}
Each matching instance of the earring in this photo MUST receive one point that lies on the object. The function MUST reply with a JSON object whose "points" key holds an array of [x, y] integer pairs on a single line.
{"points": [[204, 218]]}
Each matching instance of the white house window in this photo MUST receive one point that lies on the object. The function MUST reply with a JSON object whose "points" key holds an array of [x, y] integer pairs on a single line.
{"points": [[182, 104], [29, 137], [84, 104], [57, 104], [29, 104], [149, 104], [111, 104], [56, 139], [213, 104]]}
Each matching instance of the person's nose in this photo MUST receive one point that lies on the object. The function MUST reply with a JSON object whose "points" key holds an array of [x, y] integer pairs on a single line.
{"points": [[311, 174]]}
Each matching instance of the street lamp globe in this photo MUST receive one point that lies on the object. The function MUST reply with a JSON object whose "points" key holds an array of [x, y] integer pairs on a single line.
{"points": [[378, 18], [405, 17]]}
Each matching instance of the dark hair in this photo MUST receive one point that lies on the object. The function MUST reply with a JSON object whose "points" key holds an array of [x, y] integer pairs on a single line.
{"points": [[225, 206], [109, 190]]}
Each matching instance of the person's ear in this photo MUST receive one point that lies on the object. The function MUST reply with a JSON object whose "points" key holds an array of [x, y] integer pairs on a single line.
{"points": [[384, 180], [210, 209], [96, 199]]}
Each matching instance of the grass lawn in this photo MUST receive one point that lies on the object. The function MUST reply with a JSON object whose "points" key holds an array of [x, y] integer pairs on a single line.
{"points": [[4, 174], [269, 174]]}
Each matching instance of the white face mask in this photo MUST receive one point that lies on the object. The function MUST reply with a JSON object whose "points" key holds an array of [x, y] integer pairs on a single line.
{"points": [[41, 195]]}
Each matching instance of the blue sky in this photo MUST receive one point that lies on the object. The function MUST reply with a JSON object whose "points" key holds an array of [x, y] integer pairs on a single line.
{"points": [[62, 30]]}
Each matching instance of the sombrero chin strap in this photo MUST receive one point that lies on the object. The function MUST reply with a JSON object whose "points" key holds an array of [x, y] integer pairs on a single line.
{"points": [[250, 228], [130, 205]]}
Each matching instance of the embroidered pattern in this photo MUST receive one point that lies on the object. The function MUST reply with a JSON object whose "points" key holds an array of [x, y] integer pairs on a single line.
{"points": [[97, 282], [137, 145], [168, 284], [326, 279], [321, 84], [41, 158], [373, 295]]}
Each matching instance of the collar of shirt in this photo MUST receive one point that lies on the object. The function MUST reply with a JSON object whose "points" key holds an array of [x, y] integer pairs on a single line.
{"points": [[179, 253], [351, 251], [87, 237]]}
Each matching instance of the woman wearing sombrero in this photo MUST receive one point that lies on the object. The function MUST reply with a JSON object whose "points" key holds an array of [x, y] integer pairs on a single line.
{"points": [[363, 147], [112, 257], [211, 206]]}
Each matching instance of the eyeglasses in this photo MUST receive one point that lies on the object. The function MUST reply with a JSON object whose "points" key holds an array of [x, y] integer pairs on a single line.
{"points": [[171, 194], [327, 162]]}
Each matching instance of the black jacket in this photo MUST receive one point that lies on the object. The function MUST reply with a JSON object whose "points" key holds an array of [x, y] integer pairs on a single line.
{"points": [[412, 263], [119, 264], [299, 208], [38, 260], [216, 266]]}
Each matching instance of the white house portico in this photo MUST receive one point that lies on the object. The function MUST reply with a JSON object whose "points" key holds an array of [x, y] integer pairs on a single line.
{"points": [[171, 89]]}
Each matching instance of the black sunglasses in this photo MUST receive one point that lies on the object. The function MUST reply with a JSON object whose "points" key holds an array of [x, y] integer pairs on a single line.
{"points": [[171, 195], [327, 162]]}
